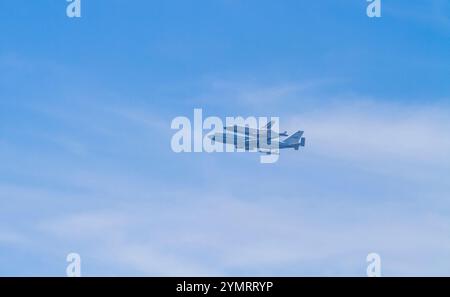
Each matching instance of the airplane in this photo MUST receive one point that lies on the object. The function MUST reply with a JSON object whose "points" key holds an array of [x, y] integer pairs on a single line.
{"points": [[266, 145]]}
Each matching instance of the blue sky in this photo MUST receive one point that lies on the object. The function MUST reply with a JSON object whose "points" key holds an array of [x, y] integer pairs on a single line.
{"points": [[86, 164]]}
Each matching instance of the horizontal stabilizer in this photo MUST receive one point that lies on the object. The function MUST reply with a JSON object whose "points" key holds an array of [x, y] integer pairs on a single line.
{"points": [[294, 138]]}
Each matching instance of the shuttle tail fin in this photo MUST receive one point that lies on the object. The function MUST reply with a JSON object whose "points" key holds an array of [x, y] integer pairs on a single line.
{"points": [[269, 125]]}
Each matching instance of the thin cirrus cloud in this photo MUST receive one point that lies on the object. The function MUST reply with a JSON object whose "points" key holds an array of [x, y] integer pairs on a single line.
{"points": [[360, 185], [374, 131], [220, 230]]}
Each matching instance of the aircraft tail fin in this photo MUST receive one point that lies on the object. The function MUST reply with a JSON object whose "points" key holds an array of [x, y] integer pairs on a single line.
{"points": [[302, 143], [295, 139]]}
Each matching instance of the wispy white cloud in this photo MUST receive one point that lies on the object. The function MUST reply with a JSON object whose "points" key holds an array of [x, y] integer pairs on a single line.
{"points": [[403, 137], [217, 236], [9, 237], [278, 221], [251, 97]]}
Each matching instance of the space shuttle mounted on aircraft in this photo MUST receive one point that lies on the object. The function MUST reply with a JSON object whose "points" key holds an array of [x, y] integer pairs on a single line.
{"points": [[263, 140]]}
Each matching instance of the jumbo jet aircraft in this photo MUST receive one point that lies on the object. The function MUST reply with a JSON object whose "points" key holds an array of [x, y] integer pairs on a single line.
{"points": [[265, 140]]}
